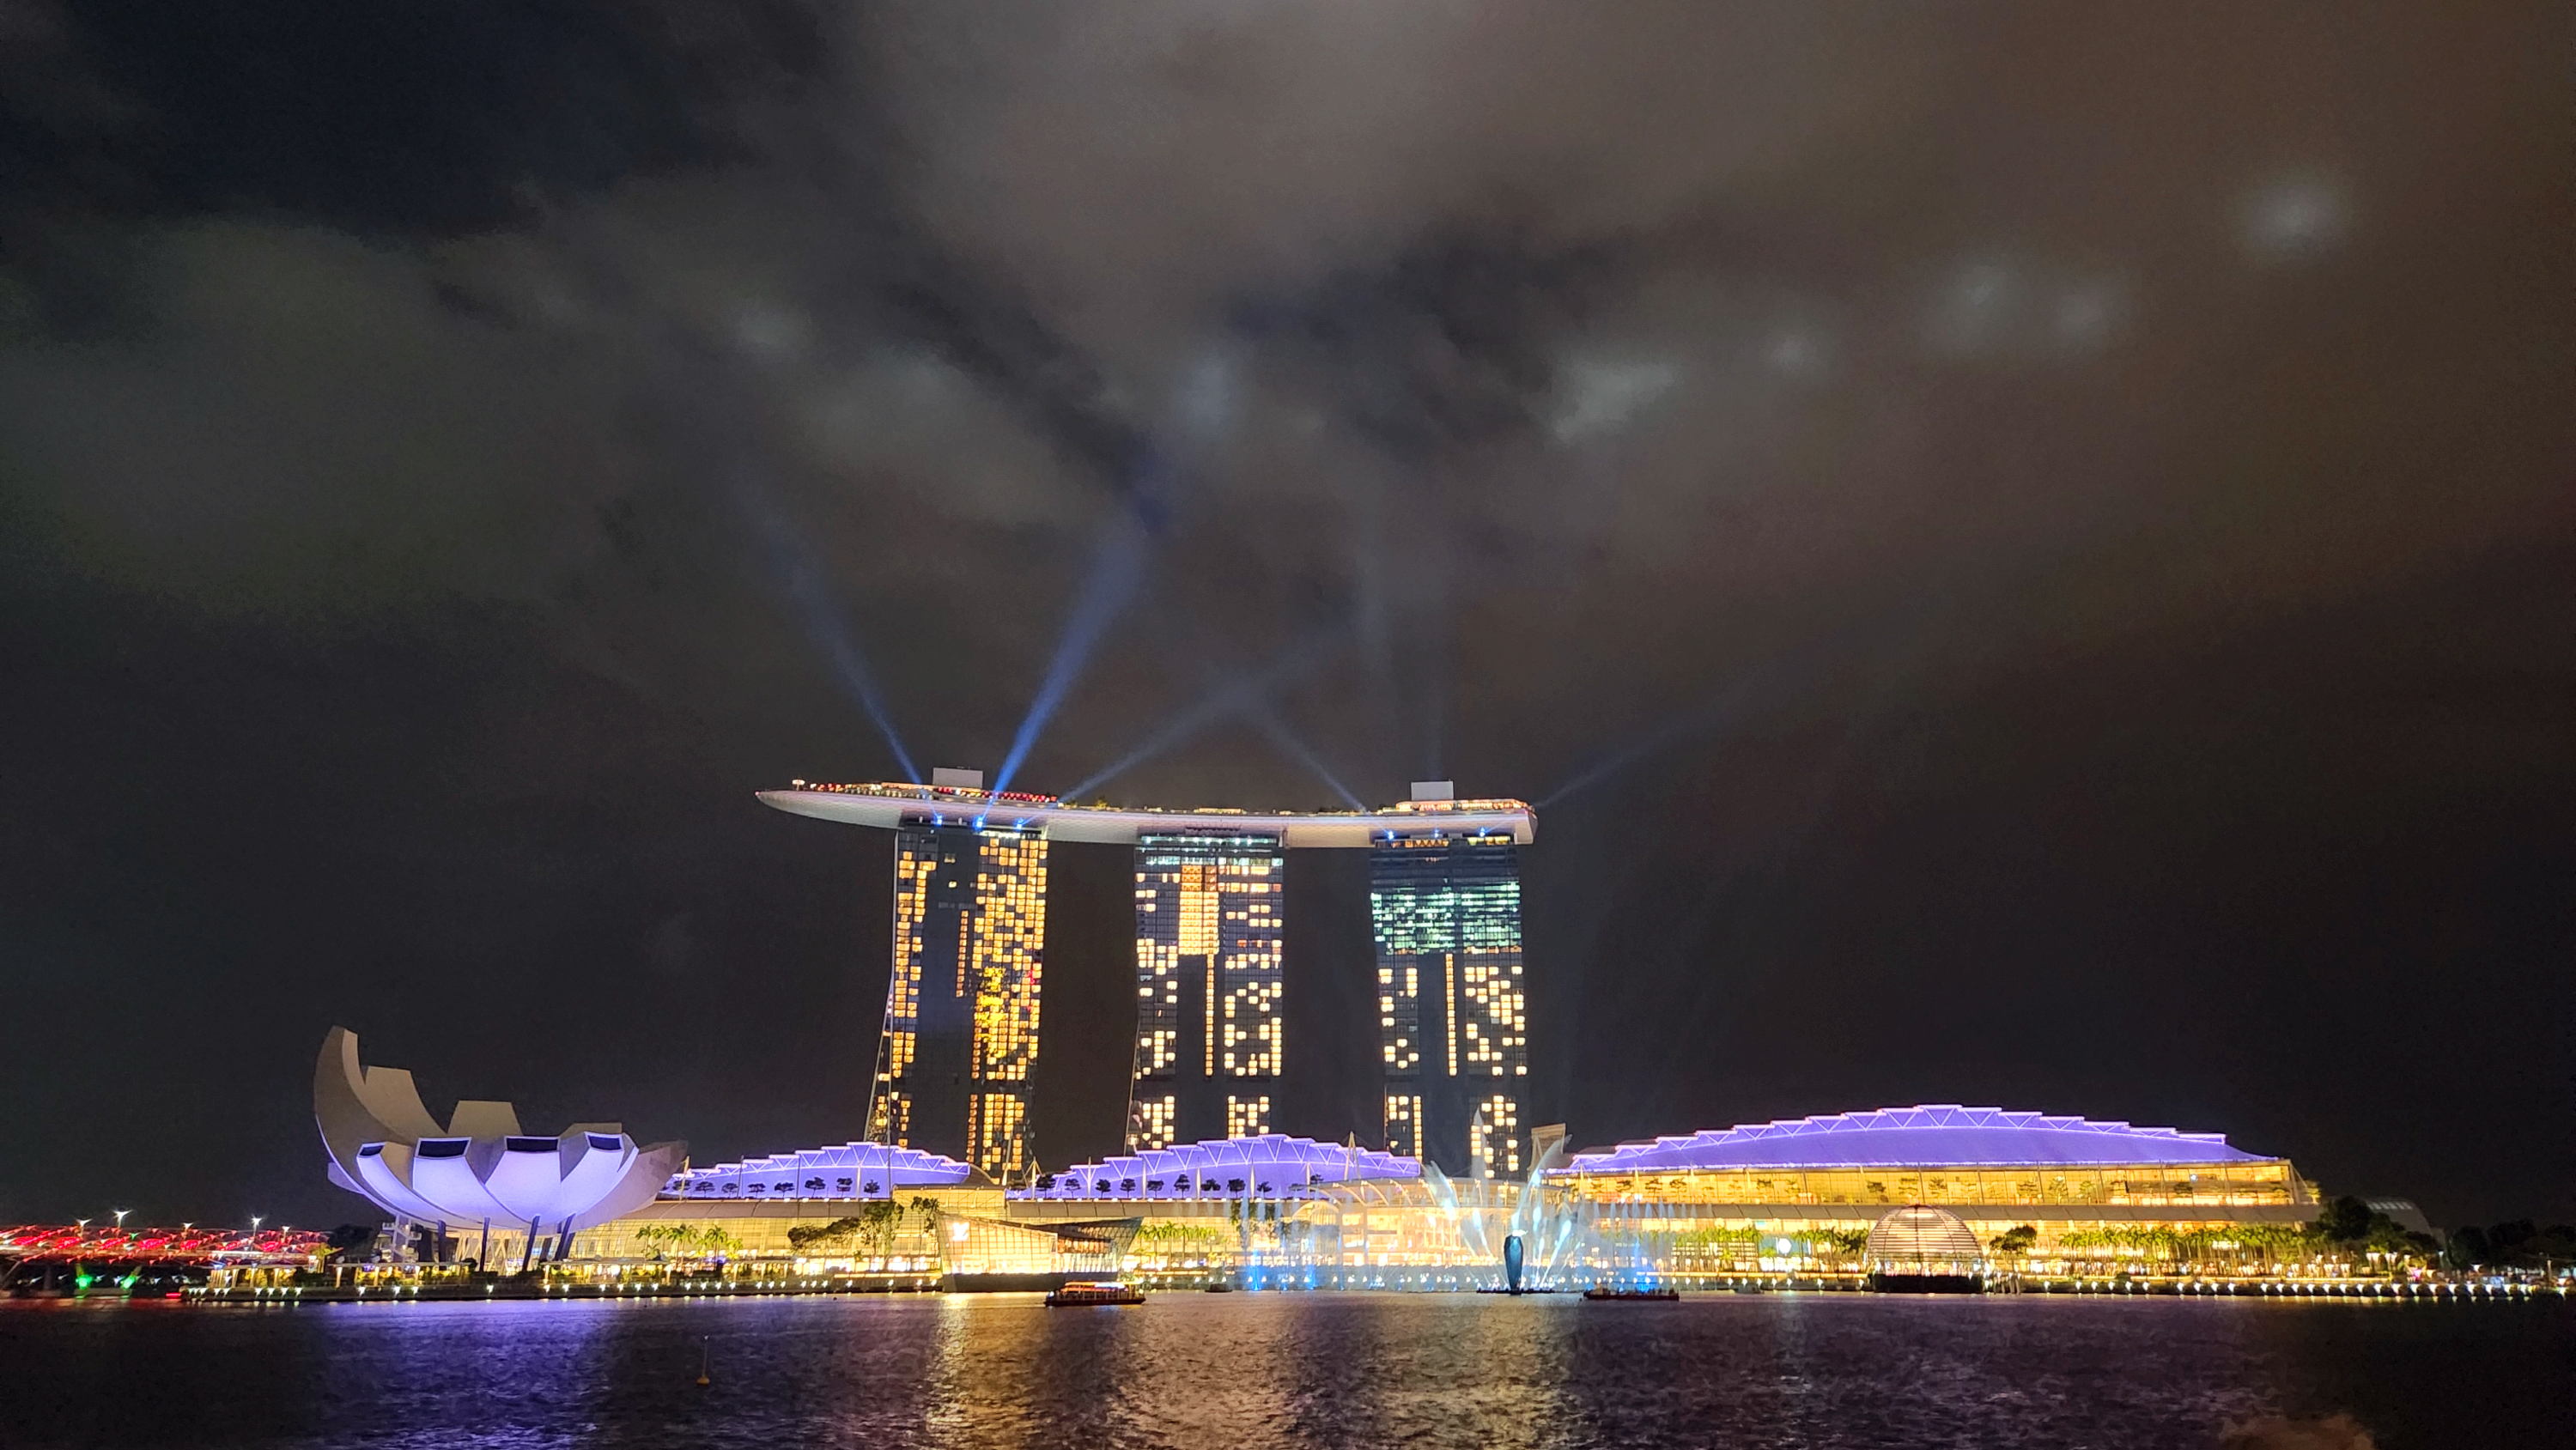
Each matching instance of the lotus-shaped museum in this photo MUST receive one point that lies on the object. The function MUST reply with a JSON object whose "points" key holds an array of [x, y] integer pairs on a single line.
{"points": [[479, 1168]]}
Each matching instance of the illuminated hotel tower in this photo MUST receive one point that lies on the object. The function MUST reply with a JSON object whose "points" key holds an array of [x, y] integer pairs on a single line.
{"points": [[1208, 927], [961, 1023], [1453, 1025]]}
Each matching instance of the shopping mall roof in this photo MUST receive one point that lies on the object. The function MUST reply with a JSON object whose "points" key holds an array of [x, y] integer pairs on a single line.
{"points": [[1266, 1164], [887, 804], [851, 1170], [1935, 1135]]}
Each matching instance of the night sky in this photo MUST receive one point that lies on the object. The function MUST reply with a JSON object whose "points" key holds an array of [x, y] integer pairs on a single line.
{"points": [[2026, 554]]}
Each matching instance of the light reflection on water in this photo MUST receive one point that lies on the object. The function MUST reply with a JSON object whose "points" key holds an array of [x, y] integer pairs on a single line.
{"points": [[1201, 1371]]}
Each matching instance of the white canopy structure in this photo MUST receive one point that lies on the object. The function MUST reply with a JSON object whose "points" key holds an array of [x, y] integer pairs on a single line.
{"points": [[479, 1168], [852, 1170], [1264, 1165]]}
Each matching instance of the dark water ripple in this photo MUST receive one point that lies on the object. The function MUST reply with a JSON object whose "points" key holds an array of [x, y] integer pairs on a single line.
{"points": [[1210, 1372]]}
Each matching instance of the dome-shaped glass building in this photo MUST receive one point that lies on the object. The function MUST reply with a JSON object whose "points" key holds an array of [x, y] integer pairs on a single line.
{"points": [[1921, 1249]]}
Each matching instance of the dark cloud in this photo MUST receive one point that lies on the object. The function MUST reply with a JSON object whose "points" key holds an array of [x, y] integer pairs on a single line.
{"points": [[2024, 548], [1446, 347], [391, 118]]}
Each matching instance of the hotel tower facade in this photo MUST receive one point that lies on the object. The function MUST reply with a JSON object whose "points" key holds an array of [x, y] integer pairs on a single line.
{"points": [[959, 1051], [960, 1045], [1209, 928], [1453, 1017]]}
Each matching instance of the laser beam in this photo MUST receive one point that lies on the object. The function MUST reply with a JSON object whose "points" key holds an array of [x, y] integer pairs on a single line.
{"points": [[1767, 681], [819, 613], [1114, 571], [1236, 697], [1297, 750]]}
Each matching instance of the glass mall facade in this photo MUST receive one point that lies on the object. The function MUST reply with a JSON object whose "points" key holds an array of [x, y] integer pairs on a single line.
{"points": [[2053, 1185], [1453, 1023], [955, 1062], [2074, 1182], [1209, 1043]]}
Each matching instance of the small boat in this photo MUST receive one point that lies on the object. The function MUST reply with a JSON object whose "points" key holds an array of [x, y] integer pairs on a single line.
{"points": [[1217, 1286], [1640, 1296], [1077, 1295]]}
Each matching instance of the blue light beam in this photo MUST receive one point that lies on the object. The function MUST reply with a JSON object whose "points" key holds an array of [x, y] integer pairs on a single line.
{"points": [[802, 574], [1764, 684], [1114, 572], [1297, 750], [1240, 697]]}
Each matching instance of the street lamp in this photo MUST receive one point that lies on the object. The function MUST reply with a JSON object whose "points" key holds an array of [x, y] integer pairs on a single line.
{"points": [[120, 1218], [254, 1225]]}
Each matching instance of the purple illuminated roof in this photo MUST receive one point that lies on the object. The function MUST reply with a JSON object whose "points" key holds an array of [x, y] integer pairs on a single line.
{"points": [[1265, 1164], [852, 1170], [1936, 1135]]}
